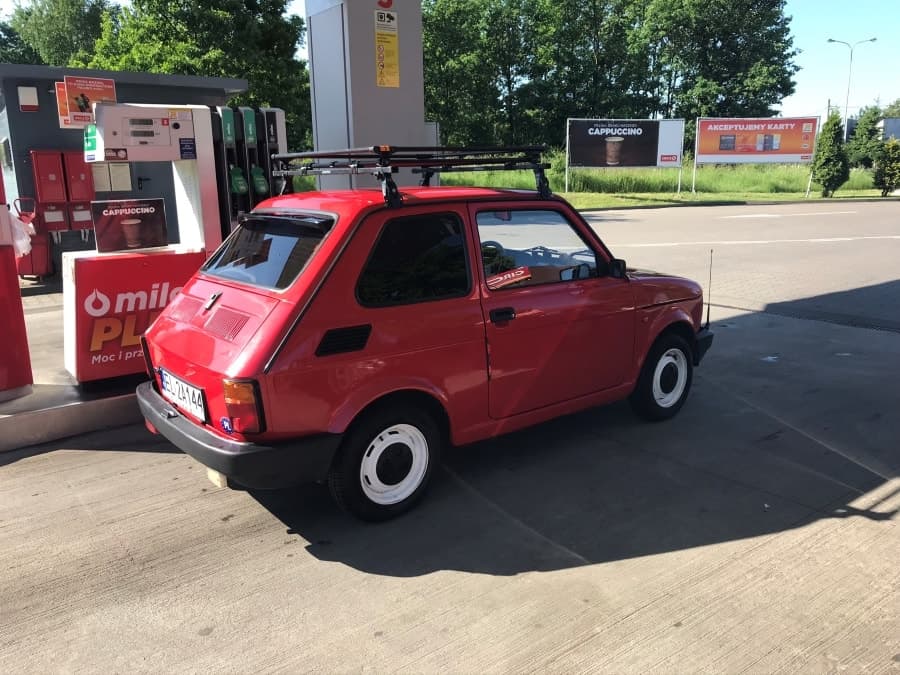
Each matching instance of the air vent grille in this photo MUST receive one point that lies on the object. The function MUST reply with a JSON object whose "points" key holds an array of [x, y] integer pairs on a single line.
{"points": [[226, 323], [342, 340]]}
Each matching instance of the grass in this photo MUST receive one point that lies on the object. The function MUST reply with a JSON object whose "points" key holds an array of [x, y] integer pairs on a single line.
{"points": [[613, 188], [599, 200], [734, 183]]}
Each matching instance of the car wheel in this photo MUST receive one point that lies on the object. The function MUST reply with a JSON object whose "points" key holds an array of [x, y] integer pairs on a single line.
{"points": [[385, 463], [665, 379]]}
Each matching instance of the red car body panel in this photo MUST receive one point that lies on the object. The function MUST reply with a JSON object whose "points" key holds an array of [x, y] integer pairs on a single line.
{"points": [[571, 346]]}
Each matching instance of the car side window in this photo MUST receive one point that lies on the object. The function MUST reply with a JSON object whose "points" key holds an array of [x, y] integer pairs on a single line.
{"points": [[416, 259], [531, 247]]}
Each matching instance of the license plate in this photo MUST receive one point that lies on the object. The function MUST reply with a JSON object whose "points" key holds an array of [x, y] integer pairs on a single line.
{"points": [[183, 395]]}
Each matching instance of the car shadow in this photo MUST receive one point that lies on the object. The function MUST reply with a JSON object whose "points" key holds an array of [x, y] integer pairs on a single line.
{"points": [[788, 423], [595, 487], [128, 438], [876, 306]]}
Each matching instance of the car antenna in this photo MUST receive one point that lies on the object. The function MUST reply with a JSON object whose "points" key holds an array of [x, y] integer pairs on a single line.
{"points": [[709, 288]]}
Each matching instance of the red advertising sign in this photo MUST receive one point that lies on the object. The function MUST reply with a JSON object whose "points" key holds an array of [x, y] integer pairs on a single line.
{"points": [[756, 140], [81, 92], [62, 105], [114, 300], [124, 224]]}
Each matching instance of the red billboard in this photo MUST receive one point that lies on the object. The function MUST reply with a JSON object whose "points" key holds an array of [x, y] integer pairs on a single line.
{"points": [[114, 300], [756, 140], [80, 93]]}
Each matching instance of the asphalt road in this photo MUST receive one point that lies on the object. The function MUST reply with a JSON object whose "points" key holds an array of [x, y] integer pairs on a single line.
{"points": [[756, 532], [829, 261]]}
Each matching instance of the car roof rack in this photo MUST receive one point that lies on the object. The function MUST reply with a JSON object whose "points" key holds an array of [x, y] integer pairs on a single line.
{"points": [[382, 161]]}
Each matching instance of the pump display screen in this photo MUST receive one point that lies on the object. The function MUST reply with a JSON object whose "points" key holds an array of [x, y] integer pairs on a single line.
{"points": [[146, 131]]}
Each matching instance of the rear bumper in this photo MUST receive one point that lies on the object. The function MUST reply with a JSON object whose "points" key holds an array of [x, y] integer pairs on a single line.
{"points": [[702, 342], [251, 465]]}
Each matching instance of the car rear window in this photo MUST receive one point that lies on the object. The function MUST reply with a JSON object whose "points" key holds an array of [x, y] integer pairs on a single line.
{"points": [[269, 251]]}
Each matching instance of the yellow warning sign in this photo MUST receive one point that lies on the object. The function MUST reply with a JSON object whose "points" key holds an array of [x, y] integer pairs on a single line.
{"points": [[387, 53]]}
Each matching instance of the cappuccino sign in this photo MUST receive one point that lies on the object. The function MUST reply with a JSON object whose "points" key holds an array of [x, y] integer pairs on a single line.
{"points": [[613, 143], [127, 224]]}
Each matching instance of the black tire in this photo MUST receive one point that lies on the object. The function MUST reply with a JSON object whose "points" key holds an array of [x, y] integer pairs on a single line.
{"points": [[669, 366], [392, 442]]}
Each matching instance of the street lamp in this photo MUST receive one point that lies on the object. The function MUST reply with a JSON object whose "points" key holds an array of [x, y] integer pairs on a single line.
{"points": [[849, 69]]}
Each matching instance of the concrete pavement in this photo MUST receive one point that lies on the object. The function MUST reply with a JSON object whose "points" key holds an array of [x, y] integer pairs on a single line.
{"points": [[57, 406], [756, 532]]}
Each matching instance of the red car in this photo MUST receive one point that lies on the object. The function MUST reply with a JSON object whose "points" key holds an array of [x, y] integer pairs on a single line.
{"points": [[349, 336]]}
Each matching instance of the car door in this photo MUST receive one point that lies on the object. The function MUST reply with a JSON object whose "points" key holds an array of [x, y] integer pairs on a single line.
{"points": [[558, 327]]}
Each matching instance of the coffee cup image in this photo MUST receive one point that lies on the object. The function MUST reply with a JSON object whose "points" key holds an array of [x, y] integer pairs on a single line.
{"points": [[131, 228], [613, 149]]}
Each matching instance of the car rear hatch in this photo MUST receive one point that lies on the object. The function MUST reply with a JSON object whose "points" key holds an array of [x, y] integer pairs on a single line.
{"points": [[227, 320]]}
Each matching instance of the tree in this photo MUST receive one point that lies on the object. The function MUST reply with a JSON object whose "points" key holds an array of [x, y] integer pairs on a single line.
{"points": [[595, 65], [508, 52], [887, 168], [460, 86], [727, 58], [60, 30], [892, 110], [865, 144], [13, 49], [515, 70], [228, 38], [830, 167]]}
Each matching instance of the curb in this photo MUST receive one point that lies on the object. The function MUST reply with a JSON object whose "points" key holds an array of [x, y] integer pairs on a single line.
{"points": [[738, 202], [24, 429]]}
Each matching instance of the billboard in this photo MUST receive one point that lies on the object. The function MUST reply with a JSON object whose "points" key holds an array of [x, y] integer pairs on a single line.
{"points": [[756, 140], [124, 224], [597, 143], [111, 300], [75, 97]]}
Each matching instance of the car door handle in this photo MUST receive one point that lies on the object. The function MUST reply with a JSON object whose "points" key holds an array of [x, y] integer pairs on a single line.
{"points": [[502, 314]]}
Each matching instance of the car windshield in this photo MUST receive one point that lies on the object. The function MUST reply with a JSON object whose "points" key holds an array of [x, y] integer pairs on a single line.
{"points": [[268, 250]]}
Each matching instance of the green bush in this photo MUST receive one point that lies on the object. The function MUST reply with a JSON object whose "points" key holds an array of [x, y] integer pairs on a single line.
{"points": [[304, 183], [830, 168], [865, 144], [887, 168]]}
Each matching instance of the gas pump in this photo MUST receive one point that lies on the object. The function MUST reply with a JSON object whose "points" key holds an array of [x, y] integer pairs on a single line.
{"points": [[249, 155], [232, 176], [181, 135], [225, 218], [109, 299], [272, 134]]}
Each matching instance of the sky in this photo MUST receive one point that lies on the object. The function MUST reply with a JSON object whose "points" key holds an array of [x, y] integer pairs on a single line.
{"points": [[823, 66]]}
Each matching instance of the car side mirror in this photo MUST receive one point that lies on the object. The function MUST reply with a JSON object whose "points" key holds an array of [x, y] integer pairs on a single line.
{"points": [[617, 268]]}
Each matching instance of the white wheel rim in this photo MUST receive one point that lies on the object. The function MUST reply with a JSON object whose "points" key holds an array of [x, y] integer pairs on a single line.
{"points": [[403, 439], [665, 397]]}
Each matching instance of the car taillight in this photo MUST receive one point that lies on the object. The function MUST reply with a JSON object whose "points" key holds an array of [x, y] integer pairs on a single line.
{"points": [[148, 363], [244, 406]]}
